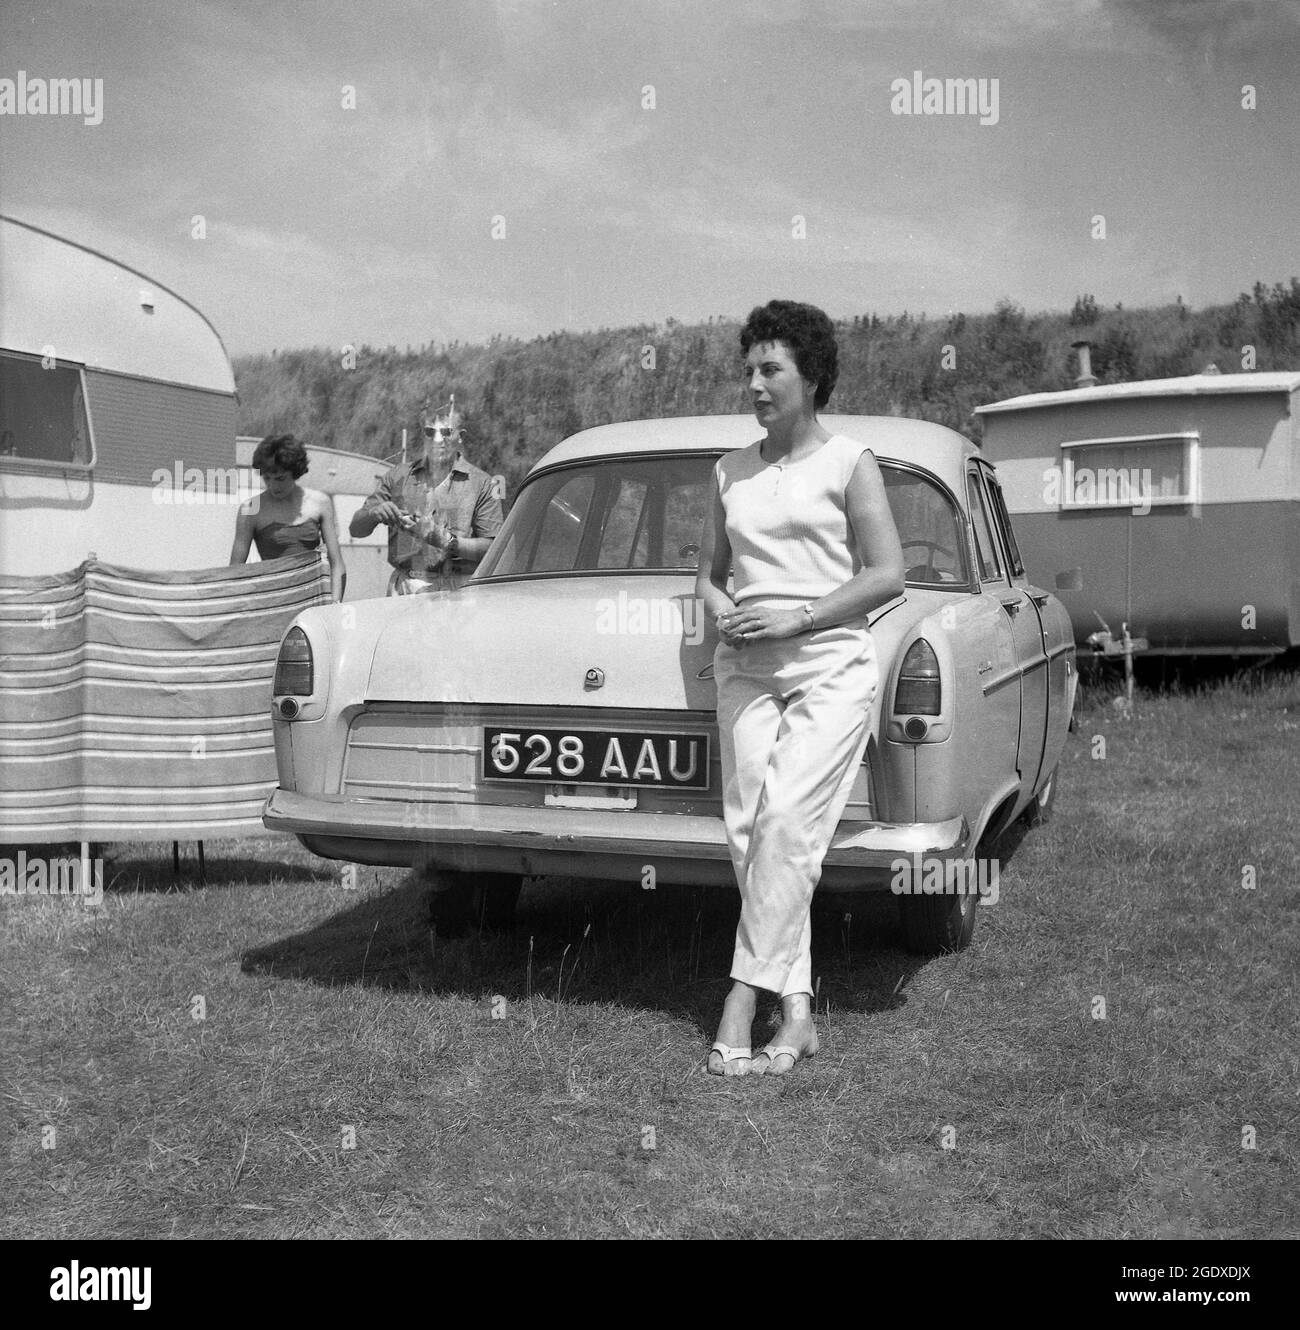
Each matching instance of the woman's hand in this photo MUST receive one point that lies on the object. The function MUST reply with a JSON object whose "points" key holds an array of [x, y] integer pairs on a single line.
{"points": [[738, 626]]}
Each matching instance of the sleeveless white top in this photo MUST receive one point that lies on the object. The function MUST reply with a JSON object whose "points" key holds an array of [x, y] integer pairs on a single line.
{"points": [[787, 521]]}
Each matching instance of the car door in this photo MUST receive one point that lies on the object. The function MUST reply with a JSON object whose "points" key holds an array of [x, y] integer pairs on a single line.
{"points": [[1058, 633], [998, 553]]}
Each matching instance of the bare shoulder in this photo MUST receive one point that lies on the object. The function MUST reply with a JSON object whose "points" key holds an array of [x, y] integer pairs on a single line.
{"points": [[866, 470]]}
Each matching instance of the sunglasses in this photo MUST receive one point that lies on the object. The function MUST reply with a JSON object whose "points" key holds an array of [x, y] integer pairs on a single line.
{"points": [[438, 432]]}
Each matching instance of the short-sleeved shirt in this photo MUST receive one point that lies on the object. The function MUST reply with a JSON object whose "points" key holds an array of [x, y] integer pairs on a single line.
{"points": [[788, 523], [466, 501]]}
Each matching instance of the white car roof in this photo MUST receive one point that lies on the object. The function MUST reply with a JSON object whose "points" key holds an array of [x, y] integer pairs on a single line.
{"points": [[897, 438]]}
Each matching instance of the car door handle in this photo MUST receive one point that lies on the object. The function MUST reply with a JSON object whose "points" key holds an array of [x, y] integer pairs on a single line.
{"points": [[1011, 604], [1039, 597]]}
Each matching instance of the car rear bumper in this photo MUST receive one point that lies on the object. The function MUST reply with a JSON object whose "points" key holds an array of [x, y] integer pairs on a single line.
{"points": [[583, 842]]}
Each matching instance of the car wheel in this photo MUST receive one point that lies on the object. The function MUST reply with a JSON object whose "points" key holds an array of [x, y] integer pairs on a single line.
{"points": [[935, 924], [464, 902], [1040, 807]]}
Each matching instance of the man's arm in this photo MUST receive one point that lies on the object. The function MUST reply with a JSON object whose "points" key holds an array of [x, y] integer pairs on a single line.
{"points": [[484, 527], [379, 507]]}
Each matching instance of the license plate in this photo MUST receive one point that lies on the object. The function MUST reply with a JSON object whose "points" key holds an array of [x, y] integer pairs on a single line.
{"points": [[632, 759]]}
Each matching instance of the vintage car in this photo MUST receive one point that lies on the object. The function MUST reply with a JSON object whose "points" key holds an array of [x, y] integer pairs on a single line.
{"points": [[556, 714]]}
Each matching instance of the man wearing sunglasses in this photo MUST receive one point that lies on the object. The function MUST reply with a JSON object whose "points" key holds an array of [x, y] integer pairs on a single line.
{"points": [[441, 511]]}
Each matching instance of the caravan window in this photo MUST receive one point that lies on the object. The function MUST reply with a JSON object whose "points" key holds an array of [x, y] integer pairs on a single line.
{"points": [[42, 412], [1132, 472]]}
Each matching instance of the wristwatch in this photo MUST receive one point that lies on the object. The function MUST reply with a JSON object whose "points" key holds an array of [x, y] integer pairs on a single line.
{"points": [[807, 609]]}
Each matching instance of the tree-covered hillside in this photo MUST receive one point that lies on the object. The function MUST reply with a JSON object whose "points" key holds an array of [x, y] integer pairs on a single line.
{"points": [[525, 396]]}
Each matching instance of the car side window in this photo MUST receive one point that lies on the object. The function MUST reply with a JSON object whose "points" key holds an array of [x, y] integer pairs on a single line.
{"points": [[934, 551], [1003, 520], [986, 550]]}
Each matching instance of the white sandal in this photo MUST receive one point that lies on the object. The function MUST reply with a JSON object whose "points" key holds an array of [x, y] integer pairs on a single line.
{"points": [[774, 1051], [730, 1055]]}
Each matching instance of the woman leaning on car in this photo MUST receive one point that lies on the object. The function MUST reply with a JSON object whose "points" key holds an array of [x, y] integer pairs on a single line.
{"points": [[802, 517]]}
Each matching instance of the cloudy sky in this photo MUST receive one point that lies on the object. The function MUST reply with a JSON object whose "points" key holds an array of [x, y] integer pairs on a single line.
{"points": [[329, 224]]}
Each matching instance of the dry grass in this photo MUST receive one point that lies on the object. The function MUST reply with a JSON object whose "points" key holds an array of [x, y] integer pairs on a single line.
{"points": [[328, 1009]]}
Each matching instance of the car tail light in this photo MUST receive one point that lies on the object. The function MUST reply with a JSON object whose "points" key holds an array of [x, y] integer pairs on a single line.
{"points": [[293, 666], [920, 690]]}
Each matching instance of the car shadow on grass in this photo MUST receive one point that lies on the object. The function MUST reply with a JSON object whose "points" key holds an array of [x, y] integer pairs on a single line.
{"points": [[589, 942]]}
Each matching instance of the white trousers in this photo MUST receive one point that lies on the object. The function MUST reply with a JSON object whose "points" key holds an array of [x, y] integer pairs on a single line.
{"points": [[794, 716]]}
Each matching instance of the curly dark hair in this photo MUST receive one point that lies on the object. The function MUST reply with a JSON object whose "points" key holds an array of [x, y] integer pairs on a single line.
{"points": [[807, 332], [281, 452]]}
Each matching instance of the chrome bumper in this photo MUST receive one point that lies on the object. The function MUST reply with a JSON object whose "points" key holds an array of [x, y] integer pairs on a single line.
{"points": [[581, 842]]}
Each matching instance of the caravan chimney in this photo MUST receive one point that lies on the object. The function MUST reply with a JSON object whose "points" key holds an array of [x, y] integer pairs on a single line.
{"points": [[1086, 377]]}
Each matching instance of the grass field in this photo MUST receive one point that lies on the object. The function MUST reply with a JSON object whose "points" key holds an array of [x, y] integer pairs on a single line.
{"points": [[353, 1076]]}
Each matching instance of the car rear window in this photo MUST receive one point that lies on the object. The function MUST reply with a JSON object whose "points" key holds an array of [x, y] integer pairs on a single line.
{"points": [[645, 514], [639, 514]]}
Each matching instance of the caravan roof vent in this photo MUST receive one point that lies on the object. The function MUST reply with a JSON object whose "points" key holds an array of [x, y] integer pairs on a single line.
{"points": [[1086, 377]]}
